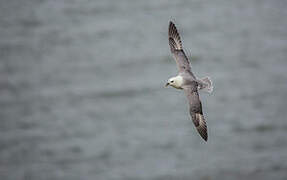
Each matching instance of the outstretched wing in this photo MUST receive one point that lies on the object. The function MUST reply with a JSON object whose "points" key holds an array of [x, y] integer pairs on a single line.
{"points": [[195, 110], [176, 48]]}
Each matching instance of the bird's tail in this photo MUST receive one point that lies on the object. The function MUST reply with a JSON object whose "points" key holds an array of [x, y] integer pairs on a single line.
{"points": [[206, 84]]}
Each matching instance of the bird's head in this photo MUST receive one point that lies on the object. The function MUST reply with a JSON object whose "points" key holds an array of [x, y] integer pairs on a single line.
{"points": [[175, 82]]}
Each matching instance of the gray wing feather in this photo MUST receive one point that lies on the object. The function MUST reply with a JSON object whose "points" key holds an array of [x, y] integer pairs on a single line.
{"points": [[195, 110], [176, 48]]}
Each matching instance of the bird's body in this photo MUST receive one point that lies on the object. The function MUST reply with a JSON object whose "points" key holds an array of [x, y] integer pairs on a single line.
{"points": [[186, 81]]}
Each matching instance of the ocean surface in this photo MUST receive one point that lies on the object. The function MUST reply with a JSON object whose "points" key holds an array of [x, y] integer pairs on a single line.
{"points": [[82, 92]]}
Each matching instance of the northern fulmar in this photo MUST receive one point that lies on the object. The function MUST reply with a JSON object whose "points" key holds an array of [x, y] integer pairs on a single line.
{"points": [[186, 81]]}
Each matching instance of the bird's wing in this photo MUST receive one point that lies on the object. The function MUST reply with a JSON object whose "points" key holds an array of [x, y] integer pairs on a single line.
{"points": [[176, 48], [195, 110]]}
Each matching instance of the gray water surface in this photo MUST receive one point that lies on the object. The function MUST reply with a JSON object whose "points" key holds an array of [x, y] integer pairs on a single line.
{"points": [[82, 97]]}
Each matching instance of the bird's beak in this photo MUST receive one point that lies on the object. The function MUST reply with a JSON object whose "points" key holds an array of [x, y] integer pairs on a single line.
{"points": [[166, 84]]}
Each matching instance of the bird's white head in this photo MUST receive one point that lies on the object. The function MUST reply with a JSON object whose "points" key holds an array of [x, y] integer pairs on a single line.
{"points": [[175, 82]]}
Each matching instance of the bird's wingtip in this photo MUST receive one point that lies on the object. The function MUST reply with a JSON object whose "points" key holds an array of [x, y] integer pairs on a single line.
{"points": [[171, 23]]}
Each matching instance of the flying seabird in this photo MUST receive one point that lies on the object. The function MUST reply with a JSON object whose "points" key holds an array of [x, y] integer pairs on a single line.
{"points": [[186, 81]]}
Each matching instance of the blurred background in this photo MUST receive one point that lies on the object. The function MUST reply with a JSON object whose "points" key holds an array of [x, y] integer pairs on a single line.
{"points": [[82, 90]]}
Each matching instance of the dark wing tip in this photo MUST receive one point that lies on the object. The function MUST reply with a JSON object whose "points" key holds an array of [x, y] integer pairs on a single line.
{"points": [[171, 24], [203, 133], [173, 33], [201, 126]]}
